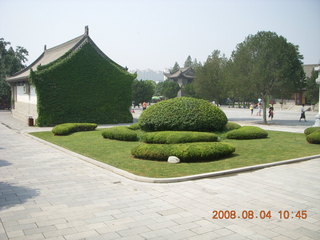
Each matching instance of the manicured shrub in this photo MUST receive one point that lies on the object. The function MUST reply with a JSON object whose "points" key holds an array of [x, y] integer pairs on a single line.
{"points": [[247, 132], [134, 126], [183, 114], [186, 152], [314, 137], [310, 130], [231, 126], [68, 128], [120, 133], [170, 137]]}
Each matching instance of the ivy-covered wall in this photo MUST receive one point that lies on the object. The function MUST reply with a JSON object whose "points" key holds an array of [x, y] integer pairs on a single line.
{"points": [[82, 86]]}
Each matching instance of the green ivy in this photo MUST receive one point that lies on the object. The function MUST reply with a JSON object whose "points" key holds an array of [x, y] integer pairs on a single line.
{"points": [[82, 86]]}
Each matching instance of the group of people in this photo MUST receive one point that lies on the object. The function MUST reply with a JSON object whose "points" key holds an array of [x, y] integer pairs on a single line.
{"points": [[271, 111], [259, 106], [144, 106]]}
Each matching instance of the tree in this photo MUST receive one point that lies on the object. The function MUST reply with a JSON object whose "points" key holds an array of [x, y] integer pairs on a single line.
{"points": [[188, 62], [142, 91], [158, 89], [170, 89], [175, 68], [10, 62], [210, 78], [312, 88], [266, 63], [189, 90], [196, 64]]}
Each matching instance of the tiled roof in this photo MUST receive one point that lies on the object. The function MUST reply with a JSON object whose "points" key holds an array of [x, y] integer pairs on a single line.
{"points": [[182, 72], [52, 54], [48, 56]]}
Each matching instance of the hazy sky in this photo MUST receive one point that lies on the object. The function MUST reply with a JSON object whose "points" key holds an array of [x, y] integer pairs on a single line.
{"points": [[153, 34]]}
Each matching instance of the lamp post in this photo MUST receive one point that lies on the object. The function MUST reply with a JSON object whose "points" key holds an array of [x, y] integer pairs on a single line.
{"points": [[317, 122]]}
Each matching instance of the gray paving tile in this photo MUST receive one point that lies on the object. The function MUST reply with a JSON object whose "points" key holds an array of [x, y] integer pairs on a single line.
{"points": [[46, 193]]}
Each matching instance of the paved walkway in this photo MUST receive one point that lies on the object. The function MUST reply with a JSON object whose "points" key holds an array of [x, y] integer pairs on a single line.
{"points": [[48, 194]]}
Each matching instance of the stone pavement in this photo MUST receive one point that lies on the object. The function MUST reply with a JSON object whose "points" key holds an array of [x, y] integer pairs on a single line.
{"points": [[48, 194]]}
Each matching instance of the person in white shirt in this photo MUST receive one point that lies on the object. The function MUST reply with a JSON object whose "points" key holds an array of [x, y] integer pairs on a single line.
{"points": [[303, 114]]}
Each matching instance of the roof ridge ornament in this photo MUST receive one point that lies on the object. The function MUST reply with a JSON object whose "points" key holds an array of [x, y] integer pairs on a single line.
{"points": [[86, 30], [45, 47]]}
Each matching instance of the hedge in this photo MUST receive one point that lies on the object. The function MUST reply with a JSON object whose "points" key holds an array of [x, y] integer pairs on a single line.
{"points": [[186, 152], [171, 137], [231, 126], [310, 130], [183, 114], [134, 126], [314, 137], [68, 128], [247, 132], [120, 133], [82, 86]]}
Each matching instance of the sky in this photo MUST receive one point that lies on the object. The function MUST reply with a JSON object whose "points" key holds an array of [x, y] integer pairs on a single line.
{"points": [[154, 34]]}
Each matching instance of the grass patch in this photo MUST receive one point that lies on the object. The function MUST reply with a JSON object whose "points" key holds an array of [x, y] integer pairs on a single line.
{"points": [[278, 146]]}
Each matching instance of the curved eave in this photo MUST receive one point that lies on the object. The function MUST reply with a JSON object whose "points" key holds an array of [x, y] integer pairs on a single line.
{"points": [[103, 54], [16, 78], [55, 53], [48, 56]]}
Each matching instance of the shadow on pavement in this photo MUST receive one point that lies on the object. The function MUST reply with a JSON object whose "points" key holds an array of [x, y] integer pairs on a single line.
{"points": [[12, 195], [4, 163]]}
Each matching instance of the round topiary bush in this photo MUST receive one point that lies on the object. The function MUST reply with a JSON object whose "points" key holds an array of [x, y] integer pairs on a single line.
{"points": [[185, 152], [231, 126], [310, 130], [314, 137], [183, 114], [172, 137], [247, 132], [120, 133]]}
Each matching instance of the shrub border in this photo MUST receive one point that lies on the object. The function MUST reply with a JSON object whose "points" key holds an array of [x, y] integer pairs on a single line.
{"points": [[138, 178]]}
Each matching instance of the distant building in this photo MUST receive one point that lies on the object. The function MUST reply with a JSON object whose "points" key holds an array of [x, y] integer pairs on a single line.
{"points": [[299, 97], [72, 82], [308, 68], [183, 76]]}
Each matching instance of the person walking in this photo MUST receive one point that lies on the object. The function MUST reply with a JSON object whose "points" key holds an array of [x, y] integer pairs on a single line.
{"points": [[271, 109], [303, 114], [259, 109], [251, 109], [144, 106]]}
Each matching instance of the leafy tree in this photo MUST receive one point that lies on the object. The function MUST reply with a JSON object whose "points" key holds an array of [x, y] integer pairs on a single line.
{"points": [[189, 90], [11, 61], [312, 88], [188, 62], [142, 91], [196, 63], [170, 89], [175, 68], [158, 89], [209, 82], [238, 87], [264, 63]]}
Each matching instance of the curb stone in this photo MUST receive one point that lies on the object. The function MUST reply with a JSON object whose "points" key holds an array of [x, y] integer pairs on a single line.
{"points": [[134, 177]]}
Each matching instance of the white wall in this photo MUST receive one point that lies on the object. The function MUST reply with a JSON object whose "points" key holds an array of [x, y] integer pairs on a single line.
{"points": [[25, 97], [33, 96], [21, 96]]}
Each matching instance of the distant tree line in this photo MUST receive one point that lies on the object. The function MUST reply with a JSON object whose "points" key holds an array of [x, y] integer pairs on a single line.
{"points": [[264, 65]]}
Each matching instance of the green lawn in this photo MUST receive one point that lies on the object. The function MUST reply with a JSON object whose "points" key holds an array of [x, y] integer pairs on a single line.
{"points": [[278, 146]]}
